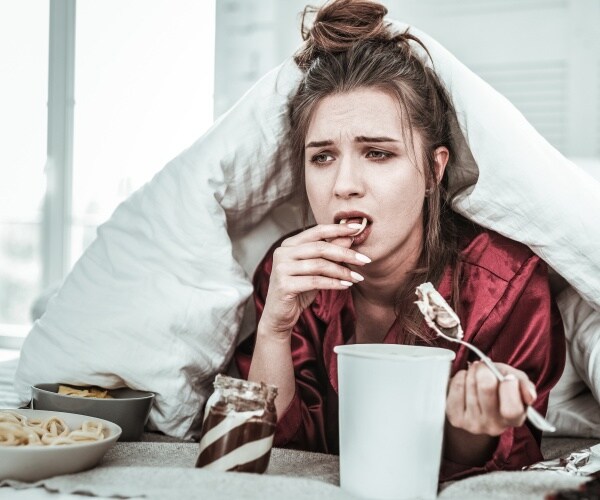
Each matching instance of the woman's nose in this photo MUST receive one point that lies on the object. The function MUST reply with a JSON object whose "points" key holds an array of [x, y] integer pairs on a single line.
{"points": [[348, 181]]}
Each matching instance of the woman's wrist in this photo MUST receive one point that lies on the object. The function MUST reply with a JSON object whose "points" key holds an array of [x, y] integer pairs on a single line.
{"points": [[272, 364], [462, 447], [267, 330]]}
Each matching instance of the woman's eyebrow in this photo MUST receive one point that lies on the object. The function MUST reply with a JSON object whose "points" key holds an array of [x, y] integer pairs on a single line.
{"points": [[318, 144], [363, 138], [360, 138]]}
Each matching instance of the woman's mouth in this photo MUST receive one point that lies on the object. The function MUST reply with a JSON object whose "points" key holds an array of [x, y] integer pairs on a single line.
{"points": [[360, 238], [363, 224], [361, 234]]}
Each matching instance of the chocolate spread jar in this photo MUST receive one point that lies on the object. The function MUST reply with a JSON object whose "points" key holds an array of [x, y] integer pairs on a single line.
{"points": [[238, 428]]}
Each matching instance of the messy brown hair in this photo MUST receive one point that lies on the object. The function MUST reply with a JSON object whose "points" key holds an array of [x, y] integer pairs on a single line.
{"points": [[349, 46]]}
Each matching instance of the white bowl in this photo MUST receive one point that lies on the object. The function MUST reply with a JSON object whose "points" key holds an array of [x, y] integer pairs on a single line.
{"points": [[32, 463]]}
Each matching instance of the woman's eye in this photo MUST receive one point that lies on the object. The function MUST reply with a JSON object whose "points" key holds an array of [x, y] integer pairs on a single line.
{"points": [[379, 155], [321, 158]]}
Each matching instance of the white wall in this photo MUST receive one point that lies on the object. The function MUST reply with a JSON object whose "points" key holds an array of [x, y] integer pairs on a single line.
{"points": [[544, 55]]}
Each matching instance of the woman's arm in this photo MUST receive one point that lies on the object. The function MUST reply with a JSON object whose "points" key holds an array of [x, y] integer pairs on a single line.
{"points": [[272, 364], [304, 264], [524, 331], [284, 350]]}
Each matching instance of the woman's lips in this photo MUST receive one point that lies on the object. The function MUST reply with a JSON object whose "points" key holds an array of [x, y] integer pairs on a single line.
{"points": [[351, 216]]}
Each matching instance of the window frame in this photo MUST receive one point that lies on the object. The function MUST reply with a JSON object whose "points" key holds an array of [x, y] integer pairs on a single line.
{"points": [[56, 218], [55, 223]]}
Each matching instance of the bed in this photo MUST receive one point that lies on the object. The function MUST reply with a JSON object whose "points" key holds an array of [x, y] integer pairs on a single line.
{"points": [[163, 467]]}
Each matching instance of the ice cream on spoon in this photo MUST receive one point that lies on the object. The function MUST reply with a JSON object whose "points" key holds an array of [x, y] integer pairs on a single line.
{"points": [[437, 312]]}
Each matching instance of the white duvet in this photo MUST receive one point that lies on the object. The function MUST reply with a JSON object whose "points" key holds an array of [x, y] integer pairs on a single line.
{"points": [[156, 302]]}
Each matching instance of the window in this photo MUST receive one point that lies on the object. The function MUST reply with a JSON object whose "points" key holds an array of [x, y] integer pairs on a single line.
{"points": [[23, 95], [143, 86]]}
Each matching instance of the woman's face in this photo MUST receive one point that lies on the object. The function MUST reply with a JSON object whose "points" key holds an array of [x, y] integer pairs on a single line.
{"points": [[358, 165]]}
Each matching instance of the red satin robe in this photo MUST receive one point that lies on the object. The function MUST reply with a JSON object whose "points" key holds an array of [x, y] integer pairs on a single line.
{"points": [[506, 310]]}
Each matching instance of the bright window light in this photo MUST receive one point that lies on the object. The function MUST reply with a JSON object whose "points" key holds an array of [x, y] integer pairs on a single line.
{"points": [[23, 96], [144, 72]]}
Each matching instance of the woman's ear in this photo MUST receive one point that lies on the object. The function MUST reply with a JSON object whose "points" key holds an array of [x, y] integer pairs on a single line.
{"points": [[440, 159]]}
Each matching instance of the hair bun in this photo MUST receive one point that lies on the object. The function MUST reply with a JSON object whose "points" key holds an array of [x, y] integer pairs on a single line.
{"points": [[338, 25]]}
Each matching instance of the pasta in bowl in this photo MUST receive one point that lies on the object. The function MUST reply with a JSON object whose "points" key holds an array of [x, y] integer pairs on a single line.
{"points": [[128, 408], [36, 444]]}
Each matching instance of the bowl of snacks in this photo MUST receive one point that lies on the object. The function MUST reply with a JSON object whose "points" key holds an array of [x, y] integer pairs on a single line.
{"points": [[37, 444], [127, 408]]}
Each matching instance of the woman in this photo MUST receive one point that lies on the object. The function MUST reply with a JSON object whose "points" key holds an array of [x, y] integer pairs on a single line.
{"points": [[371, 139]]}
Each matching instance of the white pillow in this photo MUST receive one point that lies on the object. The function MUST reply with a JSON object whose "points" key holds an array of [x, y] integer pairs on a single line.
{"points": [[576, 417], [582, 329], [526, 190], [155, 303], [573, 405]]}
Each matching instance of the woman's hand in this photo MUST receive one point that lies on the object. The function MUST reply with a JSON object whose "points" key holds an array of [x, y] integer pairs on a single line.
{"points": [[303, 264], [479, 404]]}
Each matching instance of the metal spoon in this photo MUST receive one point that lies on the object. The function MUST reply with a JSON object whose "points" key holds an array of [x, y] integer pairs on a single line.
{"points": [[441, 310]]}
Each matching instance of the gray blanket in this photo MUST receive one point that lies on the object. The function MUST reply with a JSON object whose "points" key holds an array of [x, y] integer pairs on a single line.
{"points": [[161, 467], [165, 469]]}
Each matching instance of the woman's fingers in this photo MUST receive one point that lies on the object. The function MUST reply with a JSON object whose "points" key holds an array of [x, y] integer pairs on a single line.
{"points": [[455, 402], [328, 241], [528, 392], [321, 232], [526, 386], [472, 407], [480, 404], [502, 401], [344, 241], [487, 394], [305, 263], [481, 400], [324, 250], [319, 267], [512, 409], [300, 284]]}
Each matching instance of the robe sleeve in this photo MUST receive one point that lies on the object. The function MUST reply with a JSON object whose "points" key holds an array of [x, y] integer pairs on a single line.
{"points": [[302, 424], [527, 333]]}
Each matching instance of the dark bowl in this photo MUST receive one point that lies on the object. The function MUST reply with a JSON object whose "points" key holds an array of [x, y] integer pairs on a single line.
{"points": [[129, 409]]}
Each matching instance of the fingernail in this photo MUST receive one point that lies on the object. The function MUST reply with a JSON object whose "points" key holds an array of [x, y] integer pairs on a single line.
{"points": [[533, 392], [345, 283], [356, 276], [509, 377], [354, 225], [362, 258]]}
